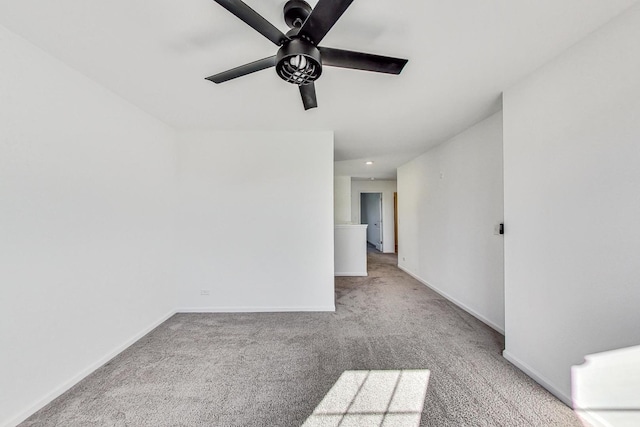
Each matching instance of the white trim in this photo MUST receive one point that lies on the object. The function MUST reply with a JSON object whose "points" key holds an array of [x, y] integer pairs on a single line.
{"points": [[351, 274], [455, 301], [252, 309], [65, 386], [540, 379]]}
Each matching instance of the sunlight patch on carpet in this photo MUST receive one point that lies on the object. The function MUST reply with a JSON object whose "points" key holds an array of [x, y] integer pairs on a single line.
{"points": [[373, 398]]}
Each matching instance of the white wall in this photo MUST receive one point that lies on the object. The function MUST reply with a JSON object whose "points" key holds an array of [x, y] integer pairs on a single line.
{"points": [[387, 188], [342, 199], [350, 250], [572, 205], [86, 183], [449, 201], [90, 232], [255, 221]]}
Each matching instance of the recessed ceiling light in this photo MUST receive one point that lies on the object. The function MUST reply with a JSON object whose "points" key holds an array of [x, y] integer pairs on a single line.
{"points": [[368, 162]]}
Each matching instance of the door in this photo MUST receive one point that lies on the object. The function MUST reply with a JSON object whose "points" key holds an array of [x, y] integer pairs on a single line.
{"points": [[371, 214]]}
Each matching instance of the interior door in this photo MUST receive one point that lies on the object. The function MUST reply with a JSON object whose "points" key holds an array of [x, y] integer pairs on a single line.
{"points": [[371, 214], [378, 225]]}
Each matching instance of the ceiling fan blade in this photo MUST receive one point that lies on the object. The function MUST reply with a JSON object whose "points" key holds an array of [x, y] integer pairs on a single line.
{"points": [[254, 20], [308, 93], [243, 70], [322, 18], [361, 61]]}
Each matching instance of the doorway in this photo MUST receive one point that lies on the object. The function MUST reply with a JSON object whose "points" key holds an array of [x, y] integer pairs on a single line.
{"points": [[371, 214]]}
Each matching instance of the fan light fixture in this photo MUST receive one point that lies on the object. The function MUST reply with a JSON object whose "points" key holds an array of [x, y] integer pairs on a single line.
{"points": [[298, 62]]}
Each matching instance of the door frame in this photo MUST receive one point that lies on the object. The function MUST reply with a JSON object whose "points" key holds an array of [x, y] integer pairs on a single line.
{"points": [[380, 246], [395, 220]]}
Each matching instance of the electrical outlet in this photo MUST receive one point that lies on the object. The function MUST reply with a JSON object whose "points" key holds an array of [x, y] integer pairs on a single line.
{"points": [[204, 292]]}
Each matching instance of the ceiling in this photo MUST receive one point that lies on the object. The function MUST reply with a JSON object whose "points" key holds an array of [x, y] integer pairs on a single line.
{"points": [[462, 55]]}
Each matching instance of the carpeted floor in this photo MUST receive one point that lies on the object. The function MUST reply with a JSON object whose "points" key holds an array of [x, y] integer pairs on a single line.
{"points": [[272, 369]]}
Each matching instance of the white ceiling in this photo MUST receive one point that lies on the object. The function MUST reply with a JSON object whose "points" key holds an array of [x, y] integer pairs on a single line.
{"points": [[462, 55]]}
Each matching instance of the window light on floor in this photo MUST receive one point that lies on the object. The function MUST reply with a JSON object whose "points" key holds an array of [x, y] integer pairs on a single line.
{"points": [[383, 398]]}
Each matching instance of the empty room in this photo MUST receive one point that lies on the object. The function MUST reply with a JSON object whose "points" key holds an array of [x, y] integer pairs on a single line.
{"points": [[320, 213]]}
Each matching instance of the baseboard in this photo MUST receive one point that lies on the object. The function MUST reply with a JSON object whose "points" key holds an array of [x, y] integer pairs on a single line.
{"points": [[466, 308], [540, 379], [49, 397], [351, 274], [253, 309]]}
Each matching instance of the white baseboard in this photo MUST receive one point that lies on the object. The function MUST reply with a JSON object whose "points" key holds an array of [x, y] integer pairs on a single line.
{"points": [[62, 388], [466, 308], [351, 274], [253, 309], [540, 379]]}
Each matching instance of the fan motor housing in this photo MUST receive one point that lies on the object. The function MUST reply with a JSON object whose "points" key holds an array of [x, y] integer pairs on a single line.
{"points": [[296, 12], [298, 62]]}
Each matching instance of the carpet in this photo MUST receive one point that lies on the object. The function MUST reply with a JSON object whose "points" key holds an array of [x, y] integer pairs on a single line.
{"points": [[274, 369]]}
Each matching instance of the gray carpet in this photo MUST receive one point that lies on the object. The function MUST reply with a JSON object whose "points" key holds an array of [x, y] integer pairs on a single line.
{"points": [[272, 369]]}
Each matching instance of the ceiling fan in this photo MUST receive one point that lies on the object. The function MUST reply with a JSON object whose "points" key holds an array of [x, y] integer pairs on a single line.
{"points": [[300, 60]]}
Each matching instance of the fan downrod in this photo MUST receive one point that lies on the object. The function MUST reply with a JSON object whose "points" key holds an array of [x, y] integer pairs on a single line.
{"points": [[296, 12]]}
